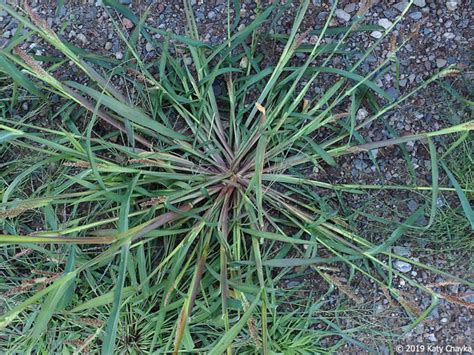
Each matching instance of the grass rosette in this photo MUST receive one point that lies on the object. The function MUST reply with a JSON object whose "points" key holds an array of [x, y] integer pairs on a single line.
{"points": [[198, 198]]}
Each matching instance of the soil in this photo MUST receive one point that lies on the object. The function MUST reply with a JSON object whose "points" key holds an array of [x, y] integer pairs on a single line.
{"points": [[440, 34]]}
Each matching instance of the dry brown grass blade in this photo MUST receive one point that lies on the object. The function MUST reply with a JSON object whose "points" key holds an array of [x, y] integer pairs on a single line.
{"points": [[457, 300], [388, 296], [345, 289], [15, 212], [93, 322], [443, 283], [37, 20], [40, 72], [404, 299]]}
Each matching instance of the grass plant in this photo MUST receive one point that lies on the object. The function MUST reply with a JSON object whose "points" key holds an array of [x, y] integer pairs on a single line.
{"points": [[160, 206]]}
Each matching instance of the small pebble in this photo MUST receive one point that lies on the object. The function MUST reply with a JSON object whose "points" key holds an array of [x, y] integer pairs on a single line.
{"points": [[416, 15], [81, 37], [385, 23], [376, 34], [452, 5], [441, 62], [449, 35], [401, 6], [244, 62], [444, 320], [149, 47], [412, 205], [127, 23], [420, 3], [341, 14], [402, 266], [350, 7], [119, 55], [108, 46], [402, 251], [188, 61]]}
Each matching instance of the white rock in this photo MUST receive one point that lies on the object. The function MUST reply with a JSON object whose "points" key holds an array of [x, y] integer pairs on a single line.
{"points": [[149, 47], [452, 5], [420, 3], [188, 61], [449, 35], [376, 34], [341, 14], [402, 266], [244, 62], [385, 23], [118, 55], [108, 46], [81, 37], [441, 62]]}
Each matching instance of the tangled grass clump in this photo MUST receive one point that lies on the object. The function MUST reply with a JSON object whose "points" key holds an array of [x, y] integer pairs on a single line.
{"points": [[197, 200]]}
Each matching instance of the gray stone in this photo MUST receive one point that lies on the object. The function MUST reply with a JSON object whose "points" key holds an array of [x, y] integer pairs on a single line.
{"points": [[385, 23], [441, 62], [452, 5], [149, 47], [6, 34], [402, 266], [81, 37], [412, 205], [420, 3], [392, 92], [376, 34], [341, 14], [416, 15], [444, 320], [449, 35], [360, 164], [402, 251], [350, 8], [125, 2], [108, 46], [211, 15], [401, 6], [293, 284], [118, 55]]}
